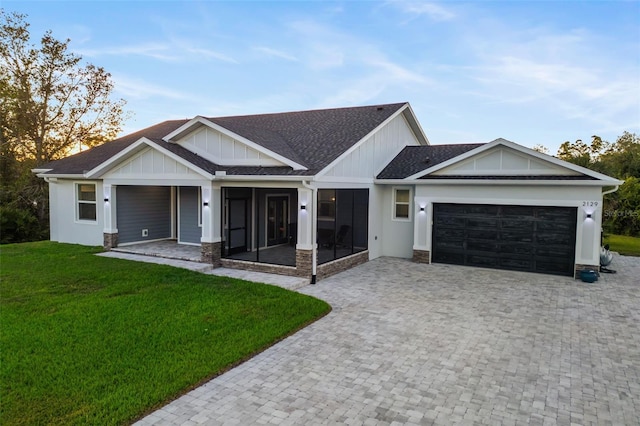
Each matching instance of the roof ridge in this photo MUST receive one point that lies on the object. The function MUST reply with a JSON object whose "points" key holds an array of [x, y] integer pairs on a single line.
{"points": [[270, 114]]}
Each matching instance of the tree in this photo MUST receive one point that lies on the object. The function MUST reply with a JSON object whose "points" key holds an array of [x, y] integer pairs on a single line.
{"points": [[52, 104], [621, 160]]}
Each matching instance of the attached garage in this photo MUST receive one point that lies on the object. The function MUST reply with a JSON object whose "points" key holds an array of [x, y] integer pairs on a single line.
{"points": [[524, 238]]}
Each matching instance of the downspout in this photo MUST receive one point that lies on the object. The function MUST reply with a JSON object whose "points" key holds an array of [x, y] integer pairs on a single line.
{"points": [[615, 188], [314, 231]]}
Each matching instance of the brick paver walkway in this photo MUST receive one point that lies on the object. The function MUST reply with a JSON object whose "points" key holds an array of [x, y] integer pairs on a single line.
{"points": [[409, 343]]}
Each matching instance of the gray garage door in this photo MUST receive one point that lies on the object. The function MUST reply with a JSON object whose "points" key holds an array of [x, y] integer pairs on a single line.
{"points": [[523, 238]]}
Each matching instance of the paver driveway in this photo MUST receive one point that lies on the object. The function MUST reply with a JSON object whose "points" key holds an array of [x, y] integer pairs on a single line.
{"points": [[411, 343]]}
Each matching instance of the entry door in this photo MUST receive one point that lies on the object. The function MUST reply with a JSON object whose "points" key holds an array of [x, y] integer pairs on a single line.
{"points": [[237, 230], [277, 220]]}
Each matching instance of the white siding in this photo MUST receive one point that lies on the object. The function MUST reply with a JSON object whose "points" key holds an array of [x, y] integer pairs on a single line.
{"points": [[64, 226], [504, 161], [150, 164], [374, 153], [224, 150], [397, 235]]}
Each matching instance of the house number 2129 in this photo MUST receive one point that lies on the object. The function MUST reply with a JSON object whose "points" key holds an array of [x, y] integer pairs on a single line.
{"points": [[589, 204]]}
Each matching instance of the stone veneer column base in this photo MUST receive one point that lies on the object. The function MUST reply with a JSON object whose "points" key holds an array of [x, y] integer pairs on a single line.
{"points": [[342, 264], [578, 268], [422, 256], [110, 241], [211, 253], [304, 259]]}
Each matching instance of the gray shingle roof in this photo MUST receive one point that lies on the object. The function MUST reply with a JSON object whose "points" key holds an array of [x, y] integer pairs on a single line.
{"points": [[311, 138], [414, 159], [87, 160]]}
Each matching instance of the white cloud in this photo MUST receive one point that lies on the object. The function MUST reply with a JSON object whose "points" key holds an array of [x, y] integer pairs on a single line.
{"points": [[158, 51], [139, 89], [276, 53], [432, 10]]}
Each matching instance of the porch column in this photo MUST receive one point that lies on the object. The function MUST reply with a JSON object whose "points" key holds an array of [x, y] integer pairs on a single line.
{"points": [[210, 241], [110, 231], [422, 215], [306, 222]]}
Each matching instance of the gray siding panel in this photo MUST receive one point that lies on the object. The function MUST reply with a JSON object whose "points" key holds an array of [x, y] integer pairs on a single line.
{"points": [[189, 230], [143, 207]]}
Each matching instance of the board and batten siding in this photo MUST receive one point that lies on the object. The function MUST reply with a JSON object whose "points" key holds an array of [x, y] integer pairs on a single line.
{"points": [[188, 229], [143, 207], [222, 149], [368, 158], [151, 164]]}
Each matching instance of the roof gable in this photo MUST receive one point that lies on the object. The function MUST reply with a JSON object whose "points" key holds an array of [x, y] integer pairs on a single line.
{"points": [[314, 138], [503, 160]]}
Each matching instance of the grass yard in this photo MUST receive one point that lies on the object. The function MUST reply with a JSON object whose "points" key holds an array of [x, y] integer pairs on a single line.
{"points": [[628, 246], [93, 340]]}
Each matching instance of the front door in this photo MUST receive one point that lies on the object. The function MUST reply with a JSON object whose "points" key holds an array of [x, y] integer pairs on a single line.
{"points": [[237, 227], [277, 220]]}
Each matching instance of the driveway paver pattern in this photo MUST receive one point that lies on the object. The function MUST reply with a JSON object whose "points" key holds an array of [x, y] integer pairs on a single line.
{"points": [[410, 343]]}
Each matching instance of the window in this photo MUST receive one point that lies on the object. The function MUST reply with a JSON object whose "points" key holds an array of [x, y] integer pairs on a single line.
{"points": [[401, 203], [86, 199]]}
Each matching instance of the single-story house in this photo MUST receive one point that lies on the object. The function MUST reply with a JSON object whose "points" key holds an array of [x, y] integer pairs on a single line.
{"points": [[309, 193]]}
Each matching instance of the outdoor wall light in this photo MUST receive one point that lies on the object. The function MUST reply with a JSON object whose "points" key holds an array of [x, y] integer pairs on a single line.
{"points": [[588, 216], [206, 204], [421, 209], [106, 200], [303, 207]]}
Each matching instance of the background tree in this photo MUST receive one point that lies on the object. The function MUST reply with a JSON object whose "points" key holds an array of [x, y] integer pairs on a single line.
{"points": [[52, 106], [620, 160]]}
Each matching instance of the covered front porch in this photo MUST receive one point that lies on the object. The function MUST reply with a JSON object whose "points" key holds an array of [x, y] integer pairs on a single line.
{"points": [[267, 228]]}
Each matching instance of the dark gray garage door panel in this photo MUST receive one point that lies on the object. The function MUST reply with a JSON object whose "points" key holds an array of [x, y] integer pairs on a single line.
{"points": [[143, 207], [524, 238]]}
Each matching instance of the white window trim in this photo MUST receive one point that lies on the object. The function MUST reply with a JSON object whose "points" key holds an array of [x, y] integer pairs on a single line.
{"points": [[76, 187], [395, 190]]}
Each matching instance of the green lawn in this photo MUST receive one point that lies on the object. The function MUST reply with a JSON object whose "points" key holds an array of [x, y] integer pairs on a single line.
{"points": [[628, 246], [93, 340]]}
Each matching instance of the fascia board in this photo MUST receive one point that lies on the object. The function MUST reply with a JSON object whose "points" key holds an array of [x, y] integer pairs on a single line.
{"points": [[203, 121], [60, 175], [417, 124], [471, 182], [135, 147], [246, 178], [361, 141]]}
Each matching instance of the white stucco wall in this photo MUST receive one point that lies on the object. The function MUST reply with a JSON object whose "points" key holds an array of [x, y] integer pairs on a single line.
{"points": [[397, 234], [65, 228], [586, 199]]}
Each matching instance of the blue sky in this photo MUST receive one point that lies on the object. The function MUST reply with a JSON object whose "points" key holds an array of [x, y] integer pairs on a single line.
{"points": [[538, 72]]}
